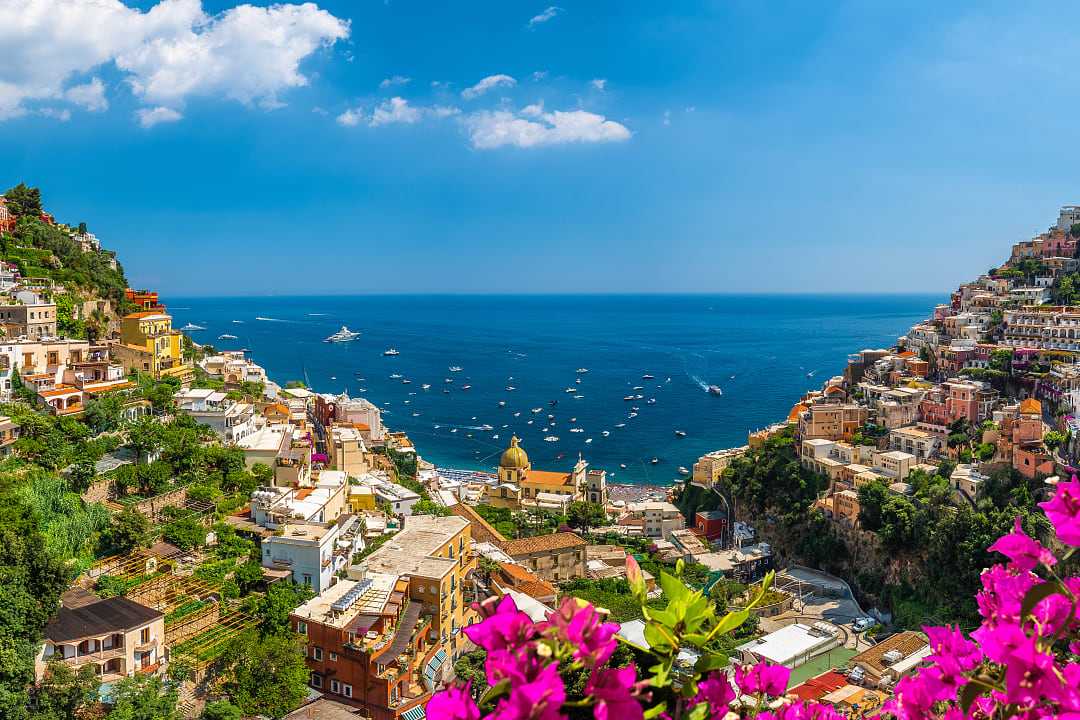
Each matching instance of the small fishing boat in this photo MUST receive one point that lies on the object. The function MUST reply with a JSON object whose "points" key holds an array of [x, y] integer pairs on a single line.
{"points": [[606, 433], [455, 368], [715, 390], [390, 352], [680, 433], [647, 376], [425, 386]]}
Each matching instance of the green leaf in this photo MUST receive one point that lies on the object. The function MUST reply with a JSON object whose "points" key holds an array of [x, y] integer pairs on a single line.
{"points": [[659, 638], [968, 694], [711, 661], [495, 691], [679, 567], [729, 622], [654, 711], [698, 712], [1039, 593], [673, 588], [664, 617]]}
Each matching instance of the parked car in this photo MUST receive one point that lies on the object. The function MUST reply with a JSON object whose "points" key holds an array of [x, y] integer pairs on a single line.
{"points": [[863, 623]]}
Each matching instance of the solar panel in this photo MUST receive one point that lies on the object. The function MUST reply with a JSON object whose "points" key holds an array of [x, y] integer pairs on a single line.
{"points": [[347, 600]]}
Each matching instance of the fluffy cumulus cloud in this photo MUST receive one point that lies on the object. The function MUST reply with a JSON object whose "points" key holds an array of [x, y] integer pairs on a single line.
{"points": [[489, 83], [599, 84], [394, 111], [149, 117], [532, 127], [548, 14], [351, 117], [170, 53]]}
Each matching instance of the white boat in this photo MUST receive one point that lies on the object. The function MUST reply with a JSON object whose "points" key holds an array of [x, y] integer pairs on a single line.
{"points": [[529, 423], [629, 398], [510, 388], [453, 430], [226, 336], [390, 352], [495, 436], [425, 386], [620, 425], [622, 466], [576, 430], [342, 335], [639, 387], [502, 403], [639, 397], [651, 401], [551, 438], [455, 368], [536, 410], [406, 381], [680, 433], [578, 381], [416, 414], [395, 376], [570, 390], [715, 390], [578, 397], [647, 376], [192, 326], [654, 461], [466, 387], [448, 380], [486, 427], [632, 415], [582, 370], [606, 433], [683, 471], [588, 440]]}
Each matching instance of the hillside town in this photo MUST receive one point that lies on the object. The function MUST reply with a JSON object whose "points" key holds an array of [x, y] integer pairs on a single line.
{"points": [[228, 542]]}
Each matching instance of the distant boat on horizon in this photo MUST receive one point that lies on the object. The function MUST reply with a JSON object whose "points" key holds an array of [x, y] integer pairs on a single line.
{"points": [[226, 336], [342, 335], [192, 326], [391, 352]]}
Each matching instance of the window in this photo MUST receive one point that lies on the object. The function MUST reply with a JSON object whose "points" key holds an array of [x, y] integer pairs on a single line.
{"points": [[335, 686], [333, 656], [301, 627], [346, 690], [316, 653], [144, 635], [316, 680]]}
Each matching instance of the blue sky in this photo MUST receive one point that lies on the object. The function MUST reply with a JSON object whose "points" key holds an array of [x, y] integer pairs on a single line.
{"points": [[614, 147]]}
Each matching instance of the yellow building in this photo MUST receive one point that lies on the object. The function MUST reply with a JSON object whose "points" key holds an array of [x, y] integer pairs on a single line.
{"points": [[361, 498], [520, 485], [149, 344]]}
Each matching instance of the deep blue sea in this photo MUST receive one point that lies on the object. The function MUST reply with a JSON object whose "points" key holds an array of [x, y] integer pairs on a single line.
{"points": [[758, 349]]}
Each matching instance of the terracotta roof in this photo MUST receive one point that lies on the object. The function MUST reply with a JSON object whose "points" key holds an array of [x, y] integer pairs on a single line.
{"points": [[482, 530], [907, 642], [143, 314], [545, 477], [907, 354], [63, 390], [526, 581], [796, 410], [818, 687], [541, 543], [1031, 406]]}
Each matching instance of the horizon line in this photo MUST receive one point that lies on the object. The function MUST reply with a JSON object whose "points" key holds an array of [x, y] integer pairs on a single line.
{"points": [[853, 294]]}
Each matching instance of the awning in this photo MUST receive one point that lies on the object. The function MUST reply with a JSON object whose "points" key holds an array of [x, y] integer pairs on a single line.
{"points": [[432, 668], [414, 713]]}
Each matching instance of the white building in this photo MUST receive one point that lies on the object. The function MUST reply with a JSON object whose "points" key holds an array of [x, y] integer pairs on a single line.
{"points": [[231, 421], [313, 552], [661, 518], [401, 499], [791, 645]]}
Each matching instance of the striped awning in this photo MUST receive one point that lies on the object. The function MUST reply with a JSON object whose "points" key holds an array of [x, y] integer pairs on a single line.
{"points": [[432, 668], [414, 713]]}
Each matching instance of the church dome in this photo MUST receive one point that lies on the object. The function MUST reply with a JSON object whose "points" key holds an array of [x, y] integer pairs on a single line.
{"points": [[514, 456]]}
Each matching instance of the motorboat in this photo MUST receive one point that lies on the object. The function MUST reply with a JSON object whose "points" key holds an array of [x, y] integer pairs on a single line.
{"points": [[425, 386], [588, 440], [680, 433], [510, 388], [715, 390], [577, 430], [683, 471], [226, 336], [578, 397], [502, 403], [622, 466], [570, 390], [651, 401], [466, 387], [342, 335], [629, 398], [632, 415], [390, 352], [654, 461], [486, 427], [395, 376], [639, 387], [536, 410], [606, 433], [581, 371], [455, 368], [620, 425], [517, 414], [646, 376], [406, 381], [192, 326], [551, 438]]}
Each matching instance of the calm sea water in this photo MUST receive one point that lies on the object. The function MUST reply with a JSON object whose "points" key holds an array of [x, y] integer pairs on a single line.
{"points": [[758, 349]]}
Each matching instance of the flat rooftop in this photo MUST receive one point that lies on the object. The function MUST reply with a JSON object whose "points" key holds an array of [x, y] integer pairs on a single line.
{"points": [[410, 552], [371, 602]]}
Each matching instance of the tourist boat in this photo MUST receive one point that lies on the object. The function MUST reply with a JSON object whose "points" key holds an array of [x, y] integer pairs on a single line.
{"points": [[551, 438], [425, 386], [192, 326], [455, 368], [582, 370], [629, 398], [715, 390], [342, 335], [570, 390], [620, 425], [647, 376], [606, 433], [395, 376], [683, 471], [226, 336], [680, 433], [390, 352]]}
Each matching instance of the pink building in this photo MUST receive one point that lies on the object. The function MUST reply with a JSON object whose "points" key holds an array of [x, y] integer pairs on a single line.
{"points": [[1058, 243], [962, 402]]}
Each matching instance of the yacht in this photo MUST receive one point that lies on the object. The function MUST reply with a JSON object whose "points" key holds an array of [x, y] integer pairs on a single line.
{"points": [[425, 386], [570, 390], [588, 440], [390, 352], [629, 398], [582, 370], [395, 376], [517, 414], [551, 438], [683, 471], [536, 410], [406, 381], [576, 430], [226, 336], [647, 376], [486, 427], [342, 335], [620, 425], [715, 390], [466, 387], [680, 433], [455, 368], [192, 326]]}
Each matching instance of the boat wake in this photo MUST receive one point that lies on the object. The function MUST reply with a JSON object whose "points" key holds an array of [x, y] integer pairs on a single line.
{"points": [[266, 319], [700, 383]]}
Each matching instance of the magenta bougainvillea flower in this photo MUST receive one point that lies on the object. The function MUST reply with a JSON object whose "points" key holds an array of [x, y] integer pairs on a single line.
{"points": [[581, 626], [1023, 551], [762, 679], [539, 699], [1063, 510], [454, 703], [715, 690], [614, 690], [505, 628]]}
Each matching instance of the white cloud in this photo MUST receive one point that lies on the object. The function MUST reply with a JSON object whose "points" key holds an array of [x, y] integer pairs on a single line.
{"points": [[171, 52], [599, 84], [63, 115], [534, 110], [445, 111], [351, 117], [319, 110], [393, 111], [149, 117], [489, 83], [395, 81], [548, 14], [90, 96], [493, 129], [539, 75], [667, 117]]}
